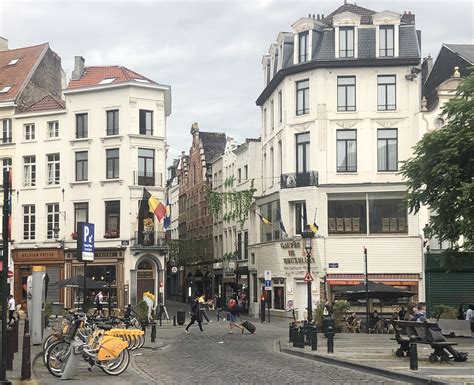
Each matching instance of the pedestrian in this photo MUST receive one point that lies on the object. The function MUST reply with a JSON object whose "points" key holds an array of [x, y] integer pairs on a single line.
{"points": [[219, 306], [401, 313], [234, 312], [420, 312], [195, 315], [11, 308], [98, 303], [470, 313], [327, 312], [461, 312], [202, 303]]}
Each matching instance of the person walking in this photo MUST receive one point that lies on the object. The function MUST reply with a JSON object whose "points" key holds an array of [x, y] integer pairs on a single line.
{"points": [[470, 313], [11, 308], [202, 309], [98, 303], [461, 312], [195, 315], [234, 312], [219, 306]]}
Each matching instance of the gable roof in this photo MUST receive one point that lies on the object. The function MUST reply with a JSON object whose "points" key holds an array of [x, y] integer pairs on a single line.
{"points": [[466, 51], [17, 75], [48, 103], [94, 75], [366, 14], [213, 144]]}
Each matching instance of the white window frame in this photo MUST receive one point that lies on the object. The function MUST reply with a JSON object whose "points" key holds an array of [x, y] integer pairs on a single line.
{"points": [[52, 219], [29, 133], [29, 171], [53, 169], [53, 129], [29, 222]]}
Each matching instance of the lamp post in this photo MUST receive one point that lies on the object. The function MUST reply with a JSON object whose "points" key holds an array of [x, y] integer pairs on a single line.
{"points": [[307, 237], [108, 273]]}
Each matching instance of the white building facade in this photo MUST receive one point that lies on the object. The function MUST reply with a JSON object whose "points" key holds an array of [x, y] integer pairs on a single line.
{"points": [[338, 115]]}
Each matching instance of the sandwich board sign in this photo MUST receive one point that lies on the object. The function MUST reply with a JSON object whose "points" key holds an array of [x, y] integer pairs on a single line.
{"points": [[85, 242]]}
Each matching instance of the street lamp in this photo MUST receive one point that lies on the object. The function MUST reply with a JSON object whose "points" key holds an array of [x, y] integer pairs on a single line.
{"points": [[307, 237]]}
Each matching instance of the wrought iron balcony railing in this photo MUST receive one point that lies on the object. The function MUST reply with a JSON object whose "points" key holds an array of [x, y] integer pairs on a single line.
{"points": [[302, 179], [149, 239], [141, 178]]}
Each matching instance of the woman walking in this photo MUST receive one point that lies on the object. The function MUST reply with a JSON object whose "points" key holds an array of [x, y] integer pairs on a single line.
{"points": [[195, 315]]}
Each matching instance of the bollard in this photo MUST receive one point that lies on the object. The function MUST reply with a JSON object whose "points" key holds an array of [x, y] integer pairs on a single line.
{"points": [[161, 322], [174, 320], [295, 337], [290, 332], [314, 338], [330, 336], [413, 354], [26, 355], [15, 335], [153, 331], [301, 338], [180, 315], [9, 354]]}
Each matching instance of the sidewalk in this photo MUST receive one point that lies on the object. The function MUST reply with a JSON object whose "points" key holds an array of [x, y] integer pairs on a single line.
{"points": [[376, 353]]}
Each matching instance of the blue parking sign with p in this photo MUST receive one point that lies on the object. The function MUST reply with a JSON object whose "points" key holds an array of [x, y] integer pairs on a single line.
{"points": [[85, 242]]}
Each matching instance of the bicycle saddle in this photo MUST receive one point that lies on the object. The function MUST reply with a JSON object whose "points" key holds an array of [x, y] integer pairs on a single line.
{"points": [[104, 326]]}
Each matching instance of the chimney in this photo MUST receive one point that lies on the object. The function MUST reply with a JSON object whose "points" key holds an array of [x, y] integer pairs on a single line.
{"points": [[194, 128], [426, 67], [319, 17], [3, 44], [78, 67]]}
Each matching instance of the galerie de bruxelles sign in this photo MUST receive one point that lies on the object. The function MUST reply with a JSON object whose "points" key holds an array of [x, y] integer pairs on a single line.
{"points": [[292, 259]]}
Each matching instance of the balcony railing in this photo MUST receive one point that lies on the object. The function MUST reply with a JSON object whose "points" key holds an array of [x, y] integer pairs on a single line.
{"points": [[301, 179], [149, 239], [141, 178]]}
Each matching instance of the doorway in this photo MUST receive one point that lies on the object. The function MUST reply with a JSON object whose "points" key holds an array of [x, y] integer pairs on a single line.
{"points": [[146, 275], [301, 298]]}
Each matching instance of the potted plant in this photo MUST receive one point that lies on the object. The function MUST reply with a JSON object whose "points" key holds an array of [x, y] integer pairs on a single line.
{"points": [[340, 307], [111, 234], [142, 313]]}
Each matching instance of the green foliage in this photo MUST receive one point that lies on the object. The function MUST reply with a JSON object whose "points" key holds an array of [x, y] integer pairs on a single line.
{"points": [[142, 312], [318, 314], [48, 309], [340, 308], [441, 172], [444, 312], [186, 250]]}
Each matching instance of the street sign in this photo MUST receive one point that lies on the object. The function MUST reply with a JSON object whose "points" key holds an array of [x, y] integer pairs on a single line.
{"points": [[85, 242], [125, 243], [268, 285], [308, 277], [290, 304], [334, 265], [267, 275], [10, 274], [174, 269]]}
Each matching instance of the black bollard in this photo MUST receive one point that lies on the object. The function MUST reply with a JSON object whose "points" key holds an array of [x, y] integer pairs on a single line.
{"points": [[413, 354], [174, 320], [314, 338], [26, 356], [295, 337], [9, 354], [301, 338], [290, 332], [15, 335], [330, 336], [153, 331]]}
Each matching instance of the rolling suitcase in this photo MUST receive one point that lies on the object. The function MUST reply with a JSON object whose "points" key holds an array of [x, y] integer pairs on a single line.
{"points": [[249, 326]]}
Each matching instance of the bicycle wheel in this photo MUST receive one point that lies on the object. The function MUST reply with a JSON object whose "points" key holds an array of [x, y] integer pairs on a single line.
{"points": [[49, 340], [117, 366], [57, 357], [142, 341], [47, 350]]}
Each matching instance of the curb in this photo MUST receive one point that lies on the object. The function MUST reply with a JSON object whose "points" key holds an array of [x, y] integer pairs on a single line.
{"points": [[410, 378]]}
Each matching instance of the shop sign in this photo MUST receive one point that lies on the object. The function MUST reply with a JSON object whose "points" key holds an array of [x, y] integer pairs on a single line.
{"points": [[290, 245], [144, 274], [297, 260], [85, 242]]}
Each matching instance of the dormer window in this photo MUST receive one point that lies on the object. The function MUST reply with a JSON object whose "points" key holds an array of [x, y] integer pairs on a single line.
{"points": [[13, 62], [386, 41], [303, 43], [346, 42], [4, 90], [107, 81]]}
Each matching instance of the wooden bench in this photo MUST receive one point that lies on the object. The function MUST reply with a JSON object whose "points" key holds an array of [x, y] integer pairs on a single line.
{"points": [[425, 333]]}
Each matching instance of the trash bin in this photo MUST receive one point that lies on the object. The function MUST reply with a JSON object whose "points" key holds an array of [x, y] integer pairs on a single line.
{"points": [[180, 315], [328, 321]]}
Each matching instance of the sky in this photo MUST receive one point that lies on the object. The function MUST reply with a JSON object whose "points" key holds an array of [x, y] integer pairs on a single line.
{"points": [[209, 52]]}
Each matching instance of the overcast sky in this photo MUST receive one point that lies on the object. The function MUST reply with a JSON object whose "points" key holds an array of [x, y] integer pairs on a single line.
{"points": [[208, 51]]}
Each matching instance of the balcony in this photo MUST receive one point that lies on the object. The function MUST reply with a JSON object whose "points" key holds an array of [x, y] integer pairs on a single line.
{"points": [[149, 239], [141, 178], [302, 179]]}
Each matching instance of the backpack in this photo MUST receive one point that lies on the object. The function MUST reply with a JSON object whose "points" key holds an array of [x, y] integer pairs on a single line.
{"points": [[232, 303]]}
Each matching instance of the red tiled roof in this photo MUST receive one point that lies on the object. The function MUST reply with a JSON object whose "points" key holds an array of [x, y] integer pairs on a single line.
{"points": [[48, 103], [94, 75], [15, 75]]}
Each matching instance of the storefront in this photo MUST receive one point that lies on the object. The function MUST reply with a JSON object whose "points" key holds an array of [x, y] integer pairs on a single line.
{"points": [[24, 259], [108, 267], [199, 280], [242, 285]]}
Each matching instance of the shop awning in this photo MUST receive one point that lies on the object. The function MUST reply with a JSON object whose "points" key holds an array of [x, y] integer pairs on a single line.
{"points": [[389, 279]]}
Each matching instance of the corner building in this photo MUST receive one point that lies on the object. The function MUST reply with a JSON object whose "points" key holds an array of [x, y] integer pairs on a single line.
{"points": [[339, 107]]}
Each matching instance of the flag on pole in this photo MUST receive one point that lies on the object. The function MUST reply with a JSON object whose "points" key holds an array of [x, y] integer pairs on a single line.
{"points": [[314, 227], [167, 221], [154, 205], [265, 221], [282, 227]]}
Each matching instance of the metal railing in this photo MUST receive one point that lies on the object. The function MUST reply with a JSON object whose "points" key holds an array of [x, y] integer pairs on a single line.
{"points": [[149, 239], [141, 178], [301, 179]]}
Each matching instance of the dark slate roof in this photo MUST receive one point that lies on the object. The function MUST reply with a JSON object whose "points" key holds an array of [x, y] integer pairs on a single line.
{"points": [[213, 144], [366, 14], [466, 51], [366, 42], [408, 38]]}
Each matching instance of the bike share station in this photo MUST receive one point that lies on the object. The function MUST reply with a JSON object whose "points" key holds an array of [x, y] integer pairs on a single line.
{"points": [[36, 289]]}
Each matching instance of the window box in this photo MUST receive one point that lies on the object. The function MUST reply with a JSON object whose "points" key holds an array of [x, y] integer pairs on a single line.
{"points": [[112, 234]]}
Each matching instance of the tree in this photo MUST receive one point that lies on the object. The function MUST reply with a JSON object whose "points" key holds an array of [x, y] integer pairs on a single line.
{"points": [[441, 172]]}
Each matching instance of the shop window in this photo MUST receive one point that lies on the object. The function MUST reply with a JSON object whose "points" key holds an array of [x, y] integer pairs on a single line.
{"points": [[387, 215], [279, 293], [346, 215]]}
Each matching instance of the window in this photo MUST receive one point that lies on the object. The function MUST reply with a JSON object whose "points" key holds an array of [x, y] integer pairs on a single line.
{"points": [[82, 165], [346, 93], [387, 149], [13, 62], [112, 218], [29, 171], [386, 93], [275, 63], [246, 172], [270, 211], [386, 41], [264, 122], [7, 164], [300, 217], [4, 90], [346, 42], [146, 122], [302, 97], [347, 215], [280, 107], [52, 212], [112, 122], [7, 131], [107, 80], [81, 213], [246, 245], [346, 150], [29, 131], [81, 126], [112, 167], [387, 214], [303, 46], [254, 287], [53, 129], [272, 166], [146, 167], [302, 153], [53, 169], [239, 175], [272, 115], [29, 222], [279, 293], [239, 245]]}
